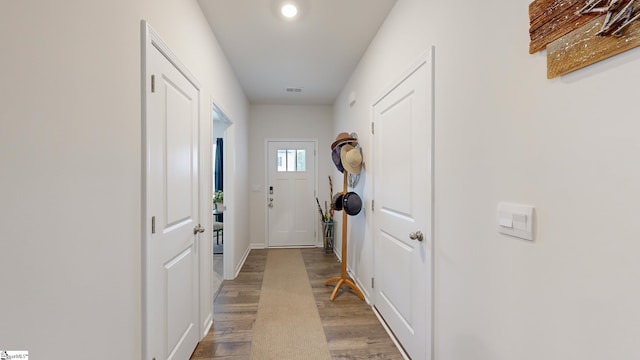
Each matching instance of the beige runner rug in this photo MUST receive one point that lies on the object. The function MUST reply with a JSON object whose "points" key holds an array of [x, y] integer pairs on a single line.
{"points": [[288, 325]]}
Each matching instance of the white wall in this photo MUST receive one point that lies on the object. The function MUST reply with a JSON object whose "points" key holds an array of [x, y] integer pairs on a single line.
{"points": [[70, 154], [236, 196], [504, 132], [279, 122]]}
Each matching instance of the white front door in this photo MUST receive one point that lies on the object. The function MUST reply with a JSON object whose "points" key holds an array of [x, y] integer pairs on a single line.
{"points": [[291, 206], [171, 305], [403, 153]]}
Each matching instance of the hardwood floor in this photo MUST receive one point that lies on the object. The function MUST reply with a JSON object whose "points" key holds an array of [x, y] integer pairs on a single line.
{"points": [[234, 313], [350, 326]]}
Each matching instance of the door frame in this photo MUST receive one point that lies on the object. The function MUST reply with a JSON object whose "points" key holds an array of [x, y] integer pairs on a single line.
{"points": [[428, 56], [207, 292], [227, 253], [150, 40], [266, 183]]}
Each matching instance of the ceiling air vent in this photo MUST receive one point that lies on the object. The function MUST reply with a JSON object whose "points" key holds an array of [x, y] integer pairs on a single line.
{"points": [[294, 90]]}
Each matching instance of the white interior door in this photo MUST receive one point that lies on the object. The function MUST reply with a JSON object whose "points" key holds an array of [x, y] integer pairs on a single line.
{"points": [[292, 209], [403, 208], [171, 264]]}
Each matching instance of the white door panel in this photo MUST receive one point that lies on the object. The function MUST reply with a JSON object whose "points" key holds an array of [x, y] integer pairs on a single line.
{"points": [[397, 259], [304, 214], [179, 293], [291, 211], [179, 152], [171, 264], [403, 205], [394, 123]]}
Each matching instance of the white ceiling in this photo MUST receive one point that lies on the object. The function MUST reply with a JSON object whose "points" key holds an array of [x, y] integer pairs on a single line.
{"points": [[317, 51]]}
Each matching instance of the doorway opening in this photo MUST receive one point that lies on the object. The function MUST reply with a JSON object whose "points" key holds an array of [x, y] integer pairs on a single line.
{"points": [[220, 124]]}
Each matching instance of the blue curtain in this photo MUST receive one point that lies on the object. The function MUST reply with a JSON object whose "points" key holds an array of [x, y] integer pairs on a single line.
{"points": [[218, 170]]}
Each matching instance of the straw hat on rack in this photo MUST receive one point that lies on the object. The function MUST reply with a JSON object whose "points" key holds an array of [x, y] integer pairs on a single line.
{"points": [[351, 158]]}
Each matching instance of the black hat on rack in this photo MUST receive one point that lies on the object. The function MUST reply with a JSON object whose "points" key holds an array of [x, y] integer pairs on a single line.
{"points": [[351, 203], [336, 202], [337, 159]]}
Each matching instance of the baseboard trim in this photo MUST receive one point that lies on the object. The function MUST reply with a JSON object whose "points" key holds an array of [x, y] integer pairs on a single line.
{"points": [[339, 256], [360, 285], [207, 327], [263, 246], [241, 264], [391, 334]]}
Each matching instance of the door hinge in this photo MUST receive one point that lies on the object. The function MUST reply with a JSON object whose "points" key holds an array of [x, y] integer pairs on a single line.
{"points": [[373, 206], [153, 83], [153, 224], [372, 283], [373, 127]]}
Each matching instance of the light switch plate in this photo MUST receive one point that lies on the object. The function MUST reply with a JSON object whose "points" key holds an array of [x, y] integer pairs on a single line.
{"points": [[515, 220]]}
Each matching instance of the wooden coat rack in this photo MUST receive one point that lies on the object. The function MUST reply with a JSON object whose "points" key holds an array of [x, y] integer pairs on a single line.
{"points": [[343, 279]]}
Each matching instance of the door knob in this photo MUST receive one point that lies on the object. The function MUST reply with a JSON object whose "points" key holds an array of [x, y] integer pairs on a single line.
{"points": [[418, 235], [198, 229]]}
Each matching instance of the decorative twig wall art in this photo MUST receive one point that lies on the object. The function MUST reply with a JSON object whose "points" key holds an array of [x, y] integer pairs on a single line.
{"points": [[578, 33]]}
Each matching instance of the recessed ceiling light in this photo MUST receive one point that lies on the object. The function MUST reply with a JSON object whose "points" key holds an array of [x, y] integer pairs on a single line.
{"points": [[289, 10]]}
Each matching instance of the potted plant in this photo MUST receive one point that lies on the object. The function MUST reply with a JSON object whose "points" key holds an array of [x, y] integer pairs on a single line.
{"points": [[218, 200]]}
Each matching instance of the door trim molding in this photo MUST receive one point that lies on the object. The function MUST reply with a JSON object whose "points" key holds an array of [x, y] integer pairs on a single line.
{"points": [[421, 60], [150, 40], [426, 58]]}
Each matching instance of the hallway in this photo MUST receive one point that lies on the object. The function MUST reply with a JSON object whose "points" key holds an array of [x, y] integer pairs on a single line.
{"points": [[351, 328]]}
